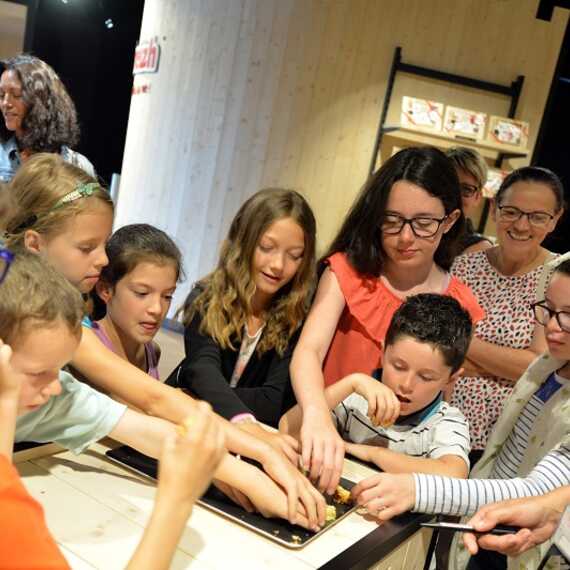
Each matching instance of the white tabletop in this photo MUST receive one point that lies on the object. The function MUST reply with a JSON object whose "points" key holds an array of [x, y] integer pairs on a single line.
{"points": [[97, 511]]}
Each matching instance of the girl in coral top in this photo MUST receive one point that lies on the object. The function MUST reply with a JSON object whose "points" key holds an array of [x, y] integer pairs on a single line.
{"points": [[398, 239]]}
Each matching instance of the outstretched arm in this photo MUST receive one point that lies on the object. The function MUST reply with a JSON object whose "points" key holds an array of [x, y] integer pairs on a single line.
{"points": [[322, 447], [537, 517]]}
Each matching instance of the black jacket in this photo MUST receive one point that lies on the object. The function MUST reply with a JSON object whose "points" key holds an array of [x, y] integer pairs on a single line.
{"points": [[264, 388]]}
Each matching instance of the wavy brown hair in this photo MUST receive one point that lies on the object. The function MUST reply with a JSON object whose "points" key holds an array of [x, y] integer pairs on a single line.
{"points": [[226, 294], [51, 119]]}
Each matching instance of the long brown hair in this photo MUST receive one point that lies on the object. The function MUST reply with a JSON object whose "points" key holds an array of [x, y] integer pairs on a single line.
{"points": [[226, 294]]}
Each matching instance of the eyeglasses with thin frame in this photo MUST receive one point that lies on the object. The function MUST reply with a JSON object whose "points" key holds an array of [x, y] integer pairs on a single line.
{"points": [[543, 314], [422, 226], [513, 214], [468, 190]]}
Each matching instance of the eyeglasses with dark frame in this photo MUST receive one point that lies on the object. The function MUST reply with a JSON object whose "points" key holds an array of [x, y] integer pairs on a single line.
{"points": [[543, 314], [422, 226], [514, 214], [468, 190]]}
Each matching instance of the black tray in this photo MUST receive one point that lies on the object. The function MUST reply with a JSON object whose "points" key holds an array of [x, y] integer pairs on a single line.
{"points": [[278, 530]]}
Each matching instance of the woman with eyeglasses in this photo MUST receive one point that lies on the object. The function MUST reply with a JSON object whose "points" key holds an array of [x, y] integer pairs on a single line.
{"points": [[398, 239], [472, 173], [505, 279]]}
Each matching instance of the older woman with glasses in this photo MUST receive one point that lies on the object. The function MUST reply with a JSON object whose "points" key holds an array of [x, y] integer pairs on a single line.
{"points": [[505, 279], [472, 173]]}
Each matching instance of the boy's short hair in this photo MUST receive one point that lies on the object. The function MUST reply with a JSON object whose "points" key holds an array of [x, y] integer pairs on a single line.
{"points": [[436, 319], [34, 293]]}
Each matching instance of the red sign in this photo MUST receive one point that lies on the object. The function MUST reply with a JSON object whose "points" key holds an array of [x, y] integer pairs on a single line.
{"points": [[147, 55]]}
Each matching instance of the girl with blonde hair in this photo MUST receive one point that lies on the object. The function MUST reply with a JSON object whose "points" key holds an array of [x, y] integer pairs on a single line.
{"points": [[242, 320]]}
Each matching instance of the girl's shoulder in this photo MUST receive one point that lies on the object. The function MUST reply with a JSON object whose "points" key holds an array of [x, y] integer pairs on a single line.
{"points": [[367, 299]]}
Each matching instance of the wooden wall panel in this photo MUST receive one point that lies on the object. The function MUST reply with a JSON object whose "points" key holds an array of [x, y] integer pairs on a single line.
{"points": [[333, 111]]}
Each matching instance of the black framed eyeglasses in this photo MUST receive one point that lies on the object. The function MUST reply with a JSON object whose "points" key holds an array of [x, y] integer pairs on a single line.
{"points": [[543, 313], [468, 190], [513, 214], [422, 226]]}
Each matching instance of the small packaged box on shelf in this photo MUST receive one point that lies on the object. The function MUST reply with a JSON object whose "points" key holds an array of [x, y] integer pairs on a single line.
{"points": [[421, 114], [508, 132], [464, 124], [495, 178]]}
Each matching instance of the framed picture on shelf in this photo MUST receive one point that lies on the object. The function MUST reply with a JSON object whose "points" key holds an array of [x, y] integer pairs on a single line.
{"points": [[421, 114], [508, 132], [495, 178], [464, 124]]}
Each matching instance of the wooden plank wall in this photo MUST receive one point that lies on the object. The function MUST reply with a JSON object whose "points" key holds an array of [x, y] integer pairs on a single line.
{"points": [[253, 93], [336, 67]]}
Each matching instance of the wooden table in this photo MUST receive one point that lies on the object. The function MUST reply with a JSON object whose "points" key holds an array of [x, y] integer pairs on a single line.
{"points": [[97, 511]]}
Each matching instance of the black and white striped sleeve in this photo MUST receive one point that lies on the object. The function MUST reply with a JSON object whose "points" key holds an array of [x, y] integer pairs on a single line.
{"points": [[445, 495]]}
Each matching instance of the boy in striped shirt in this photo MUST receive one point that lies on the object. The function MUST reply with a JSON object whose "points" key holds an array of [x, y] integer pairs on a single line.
{"points": [[398, 419]]}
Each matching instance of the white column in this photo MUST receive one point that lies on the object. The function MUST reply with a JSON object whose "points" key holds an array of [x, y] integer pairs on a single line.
{"points": [[197, 140]]}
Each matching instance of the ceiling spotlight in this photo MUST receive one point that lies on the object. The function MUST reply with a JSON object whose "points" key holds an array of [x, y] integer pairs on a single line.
{"points": [[109, 23]]}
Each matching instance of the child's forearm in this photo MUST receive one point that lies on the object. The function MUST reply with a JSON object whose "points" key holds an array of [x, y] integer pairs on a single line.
{"points": [[394, 462], [8, 415], [292, 421]]}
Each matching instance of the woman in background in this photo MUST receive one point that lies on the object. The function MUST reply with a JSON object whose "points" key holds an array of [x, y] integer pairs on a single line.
{"points": [[38, 115], [472, 173]]}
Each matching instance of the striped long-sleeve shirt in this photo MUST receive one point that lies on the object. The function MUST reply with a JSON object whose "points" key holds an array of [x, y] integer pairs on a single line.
{"points": [[445, 495]]}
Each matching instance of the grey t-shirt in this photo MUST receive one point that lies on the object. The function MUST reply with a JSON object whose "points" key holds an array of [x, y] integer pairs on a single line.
{"points": [[75, 418]]}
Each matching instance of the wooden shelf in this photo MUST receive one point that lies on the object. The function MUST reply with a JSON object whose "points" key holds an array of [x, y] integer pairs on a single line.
{"points": [[417, 136]]}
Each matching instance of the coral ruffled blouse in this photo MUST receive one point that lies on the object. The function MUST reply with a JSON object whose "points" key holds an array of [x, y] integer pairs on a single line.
{"points": [[357, 342]]}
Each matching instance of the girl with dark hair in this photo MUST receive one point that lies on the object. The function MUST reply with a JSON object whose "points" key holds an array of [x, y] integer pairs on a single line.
{"points": [[505, 279], [137, 288], [38, 115], [242, 320], [399, 239]]}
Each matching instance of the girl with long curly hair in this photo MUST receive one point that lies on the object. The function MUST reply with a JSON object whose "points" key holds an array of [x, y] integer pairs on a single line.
{"points": [[38, 115], [242, 320]]}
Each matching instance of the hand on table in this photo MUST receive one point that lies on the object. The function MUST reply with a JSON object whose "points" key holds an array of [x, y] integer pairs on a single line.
{"points": [[322, 450], [386, 495], [271, 501], [537, 520], [298, 489]]}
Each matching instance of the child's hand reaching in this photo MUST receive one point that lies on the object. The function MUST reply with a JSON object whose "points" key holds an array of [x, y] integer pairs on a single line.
{"points": [[188, 461], [9, 399], [9, 384], [383, 406]]}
